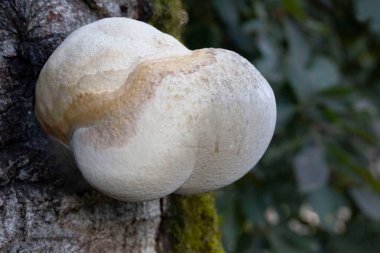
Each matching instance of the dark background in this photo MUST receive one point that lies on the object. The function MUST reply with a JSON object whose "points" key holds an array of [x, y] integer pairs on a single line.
{"points": [[317, 188]]}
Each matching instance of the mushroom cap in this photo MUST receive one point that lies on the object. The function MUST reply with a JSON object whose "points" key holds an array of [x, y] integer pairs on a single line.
{"points": [[146, 117], [95, 59]]}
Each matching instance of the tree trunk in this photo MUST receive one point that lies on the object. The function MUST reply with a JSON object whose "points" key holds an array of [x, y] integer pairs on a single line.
{"points": [[45, 205]]}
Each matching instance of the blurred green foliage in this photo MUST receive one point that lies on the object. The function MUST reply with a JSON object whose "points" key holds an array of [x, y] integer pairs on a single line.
{"points": [[317, 188]]}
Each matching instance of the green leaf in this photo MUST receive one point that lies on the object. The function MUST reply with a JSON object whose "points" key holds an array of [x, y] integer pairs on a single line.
{"points": [[368, 201], [227, 11], [336, 91], [285, 113], [369, 10], [311, 169], [253, 207], [307, 80], [295, 8], [286, 241], [299, 48], [325, 203], [296, 60], [323, 74], [268, 64], [363, 173], [252, 26], [226, 202], [362, 236]]}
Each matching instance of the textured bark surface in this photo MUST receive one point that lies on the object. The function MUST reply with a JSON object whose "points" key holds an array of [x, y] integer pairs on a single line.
{"points": [[45, 205]]}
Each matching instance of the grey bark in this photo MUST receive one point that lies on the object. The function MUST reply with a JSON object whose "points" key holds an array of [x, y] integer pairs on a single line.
{"points": [[45, 205]]}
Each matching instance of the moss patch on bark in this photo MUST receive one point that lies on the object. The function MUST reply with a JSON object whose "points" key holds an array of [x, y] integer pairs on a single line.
{"points": [[168, 16], [192, 225]]}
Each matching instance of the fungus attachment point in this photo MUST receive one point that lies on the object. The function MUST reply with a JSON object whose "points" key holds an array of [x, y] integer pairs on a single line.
{"points": [[146, 117]]}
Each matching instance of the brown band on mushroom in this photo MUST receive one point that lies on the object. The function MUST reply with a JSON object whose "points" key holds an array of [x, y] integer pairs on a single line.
{"points": [[114, 115]]}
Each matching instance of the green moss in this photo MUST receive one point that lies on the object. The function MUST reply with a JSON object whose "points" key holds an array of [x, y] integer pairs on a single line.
{"points": [[168, 16], [192, 225]]}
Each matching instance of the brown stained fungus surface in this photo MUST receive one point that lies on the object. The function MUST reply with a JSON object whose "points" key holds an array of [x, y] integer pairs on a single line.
{"points": [[114, 115]]}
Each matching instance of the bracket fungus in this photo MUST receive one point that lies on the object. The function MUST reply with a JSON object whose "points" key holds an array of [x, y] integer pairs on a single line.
{"points": [[145, 117]]}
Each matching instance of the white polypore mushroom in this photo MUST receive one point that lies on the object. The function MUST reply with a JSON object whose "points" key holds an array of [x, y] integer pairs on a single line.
{"points": [[146, 117]]}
